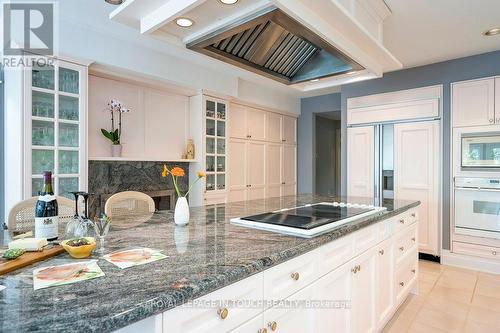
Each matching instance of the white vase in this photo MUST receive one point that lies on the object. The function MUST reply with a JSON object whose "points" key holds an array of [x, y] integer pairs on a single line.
{"points": [[181, 214], [116, 150]]}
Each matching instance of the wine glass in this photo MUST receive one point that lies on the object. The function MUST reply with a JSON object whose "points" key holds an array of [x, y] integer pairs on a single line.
{"points": [[101, 227]]}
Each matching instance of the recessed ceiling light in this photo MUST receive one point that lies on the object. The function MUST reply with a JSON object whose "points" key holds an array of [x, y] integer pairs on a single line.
{"points": [[184, 22], [229, 2], [114, 2], [314, 80], [492, 32]]}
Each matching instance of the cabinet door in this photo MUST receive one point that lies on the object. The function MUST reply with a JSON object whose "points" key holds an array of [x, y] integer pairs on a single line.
{"points": [[238, 175], [497, 100], [273, 127], [289, 130], [289, 165], [473, 102], [385, 282], [256, 170], [297, 318], [360, 161], [416, 171], [273, 170], [336, 289], [252, 326], [364, 293], [256, 124], [238, 122]]}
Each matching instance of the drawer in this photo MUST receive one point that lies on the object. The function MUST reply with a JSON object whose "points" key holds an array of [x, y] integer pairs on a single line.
{"points": [[477, 250], [214, 199], [334, 254], [406, 219], [406, 276], [289, 277], [366, 238], [406, 242], [216, 312]]}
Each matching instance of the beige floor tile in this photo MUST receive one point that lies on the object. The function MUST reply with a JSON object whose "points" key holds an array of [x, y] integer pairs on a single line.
{"points": [[423, 328], [413, 302], [447, 306], [430, 267], [454, 295], [424, 288], [489, 278], [428, 276], [488, 289], [486, 302], [467, 284], [453, 273], [473, 327], [398, 324], [440, 319], [484, 316]]}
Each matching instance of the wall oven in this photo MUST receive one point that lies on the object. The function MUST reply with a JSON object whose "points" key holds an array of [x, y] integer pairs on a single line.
{"points": [[477, 207], [480, 150]]}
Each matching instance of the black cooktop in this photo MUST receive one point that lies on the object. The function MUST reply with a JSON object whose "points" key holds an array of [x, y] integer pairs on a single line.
{"points": [[308, 217]]}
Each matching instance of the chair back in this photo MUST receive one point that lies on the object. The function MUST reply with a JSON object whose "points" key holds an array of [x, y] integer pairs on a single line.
{"points": [[129, 203], [22, 215]]}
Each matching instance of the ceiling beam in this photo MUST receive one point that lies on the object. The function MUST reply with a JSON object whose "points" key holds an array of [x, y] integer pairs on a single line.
{"points": [[167, 13]]}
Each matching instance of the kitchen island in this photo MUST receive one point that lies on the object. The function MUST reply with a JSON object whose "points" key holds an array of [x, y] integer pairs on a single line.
{"points": [[209, 255]]}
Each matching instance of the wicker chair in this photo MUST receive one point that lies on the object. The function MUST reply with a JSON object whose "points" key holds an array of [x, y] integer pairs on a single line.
{"points": [[129, 208], [22, 215]]}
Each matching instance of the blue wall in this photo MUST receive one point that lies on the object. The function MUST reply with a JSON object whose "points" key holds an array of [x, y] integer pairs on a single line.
{"points": [[2, 193], [483, 65], [306, 135]]}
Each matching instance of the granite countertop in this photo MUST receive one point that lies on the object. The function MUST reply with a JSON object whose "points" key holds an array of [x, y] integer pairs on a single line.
{"points": [[204, 256]]}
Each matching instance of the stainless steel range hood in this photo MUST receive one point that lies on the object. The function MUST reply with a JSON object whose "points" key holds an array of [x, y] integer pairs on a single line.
{"points": [[273, 44]]}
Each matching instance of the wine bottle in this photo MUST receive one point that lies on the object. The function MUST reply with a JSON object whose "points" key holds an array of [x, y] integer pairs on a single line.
{"points": [[46, 220]]}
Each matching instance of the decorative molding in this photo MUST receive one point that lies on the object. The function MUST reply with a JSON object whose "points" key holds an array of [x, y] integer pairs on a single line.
{"points": [[470, 262]]}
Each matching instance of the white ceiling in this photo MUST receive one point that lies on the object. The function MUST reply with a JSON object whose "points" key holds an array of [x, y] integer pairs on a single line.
{"points": [[421, 32]]}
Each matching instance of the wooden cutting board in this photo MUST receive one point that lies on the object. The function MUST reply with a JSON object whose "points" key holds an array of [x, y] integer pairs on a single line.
{"points": [[28, 258]]}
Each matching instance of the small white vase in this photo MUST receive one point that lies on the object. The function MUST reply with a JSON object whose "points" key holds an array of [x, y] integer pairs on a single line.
{"points": [[181, 214], [116, 150]]}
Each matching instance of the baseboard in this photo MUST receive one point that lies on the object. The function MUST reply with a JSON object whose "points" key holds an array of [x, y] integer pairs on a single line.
{"points": [[470, 262]]}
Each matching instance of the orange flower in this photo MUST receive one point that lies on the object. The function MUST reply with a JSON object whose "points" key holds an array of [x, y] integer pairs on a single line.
{"points": [[177, 172], [165, 171], [201, 174]]}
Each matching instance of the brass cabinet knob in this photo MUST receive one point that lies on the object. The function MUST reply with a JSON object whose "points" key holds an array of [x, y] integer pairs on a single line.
{"points": [[402, 284], [223, 313], [262, 330], [381, 252], [272, 325], [413, 215], [402, 221], [402, 248], [295, 276], [413, 271], [354, 269], [413, 238], [359, 268], [494, 252], [492, 120]]}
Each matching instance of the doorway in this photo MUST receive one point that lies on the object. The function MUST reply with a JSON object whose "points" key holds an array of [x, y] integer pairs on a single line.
{"points": [[327, 153]]}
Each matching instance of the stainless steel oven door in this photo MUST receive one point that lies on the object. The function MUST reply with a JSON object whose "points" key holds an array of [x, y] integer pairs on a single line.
{"points": [[477, 212]]}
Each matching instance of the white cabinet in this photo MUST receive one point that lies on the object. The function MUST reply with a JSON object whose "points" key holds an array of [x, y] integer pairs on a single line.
{"points": [[256, 170], [289, 130], [274, 169], [256, 124], [474, 103], [152, 324], [497, 100], [364, 273], [255, 325], [289, 185], [238, 175], [274, 125], [248, 170], [238, 124], [385, 282], [416, 175], [360, 161]]}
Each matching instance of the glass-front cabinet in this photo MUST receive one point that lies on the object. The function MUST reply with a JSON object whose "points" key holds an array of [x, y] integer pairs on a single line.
{"points": [[215, 145], [55, 127]]}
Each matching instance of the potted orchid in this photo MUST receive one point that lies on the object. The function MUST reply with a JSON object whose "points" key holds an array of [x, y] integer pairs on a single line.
{"points": [[115, 134], [181, 214]]}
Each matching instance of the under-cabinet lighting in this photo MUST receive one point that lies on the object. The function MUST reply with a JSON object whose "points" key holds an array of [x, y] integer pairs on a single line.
{"points": [[184, 22]]}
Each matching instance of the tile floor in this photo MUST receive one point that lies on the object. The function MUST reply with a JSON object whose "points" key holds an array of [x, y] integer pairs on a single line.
{"points": [[451, 299]]}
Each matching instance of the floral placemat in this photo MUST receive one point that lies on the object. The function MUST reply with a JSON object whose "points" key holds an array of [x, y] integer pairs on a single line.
{"points": [[51, 276], [134, 257]]}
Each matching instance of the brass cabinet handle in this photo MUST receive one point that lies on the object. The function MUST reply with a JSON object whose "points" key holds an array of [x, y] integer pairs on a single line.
{"points": [[273, 325], [355, 269], [223, 313], [262, 330], [413, 239], [295, 276], [381, 252], [413, 271], [402, 284], [413, 215], [402, 248], [283, 183], [402, 221], [359, 268]]}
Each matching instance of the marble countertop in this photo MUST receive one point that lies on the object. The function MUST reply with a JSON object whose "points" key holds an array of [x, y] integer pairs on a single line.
{"points": [[204, 256]]}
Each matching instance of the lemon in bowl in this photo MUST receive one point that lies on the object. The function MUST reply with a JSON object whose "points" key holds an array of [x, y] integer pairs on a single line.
{"points": [[79, 248]]}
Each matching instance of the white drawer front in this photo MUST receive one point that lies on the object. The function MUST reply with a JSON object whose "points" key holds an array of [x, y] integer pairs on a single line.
{"points": [[406, 276], [287, 278], [366, 238], [406, 219], [334, 254], [386, 228], [477, 250], [205, 314], [406, 242]]}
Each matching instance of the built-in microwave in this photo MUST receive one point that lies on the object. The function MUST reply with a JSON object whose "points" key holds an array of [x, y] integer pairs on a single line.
{"points": [[480, 150]]}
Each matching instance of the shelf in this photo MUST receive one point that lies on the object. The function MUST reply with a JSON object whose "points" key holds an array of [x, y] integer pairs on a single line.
{"points": [[140, 159]]}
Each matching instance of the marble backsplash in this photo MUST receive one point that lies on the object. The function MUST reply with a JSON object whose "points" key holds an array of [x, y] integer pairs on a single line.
{"points": [[109, 177]]}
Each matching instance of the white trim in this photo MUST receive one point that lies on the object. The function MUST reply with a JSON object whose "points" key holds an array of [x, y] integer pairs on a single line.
{"points": [[470, 262]]}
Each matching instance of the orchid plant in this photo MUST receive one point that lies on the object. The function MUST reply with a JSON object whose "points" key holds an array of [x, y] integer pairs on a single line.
{"points": [[115, 134], [177, 172]]}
